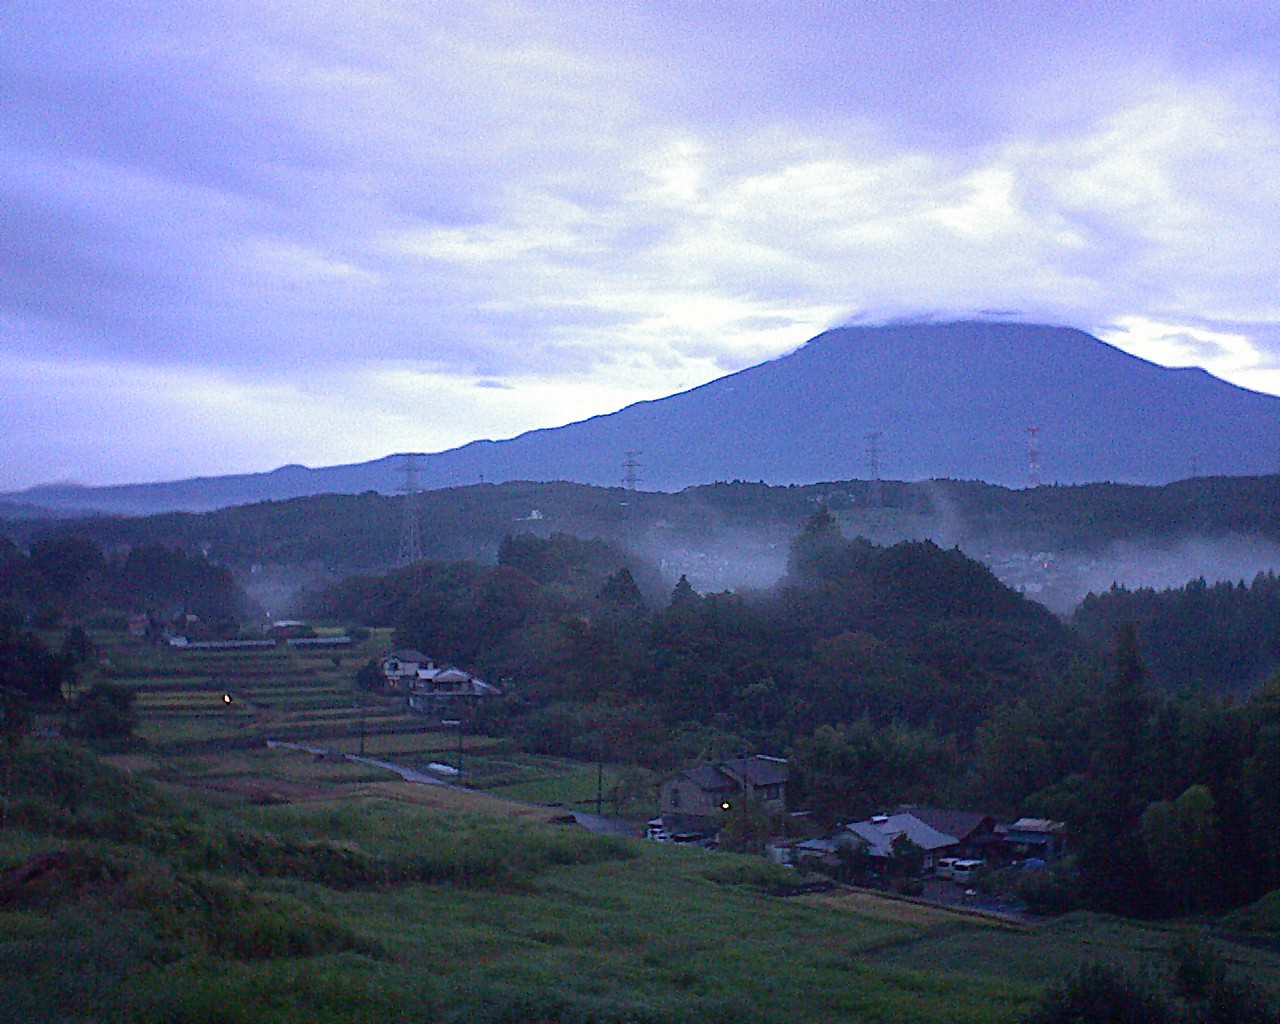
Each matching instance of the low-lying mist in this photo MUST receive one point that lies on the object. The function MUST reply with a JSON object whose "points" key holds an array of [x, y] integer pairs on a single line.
{"points": [[739, 558]]}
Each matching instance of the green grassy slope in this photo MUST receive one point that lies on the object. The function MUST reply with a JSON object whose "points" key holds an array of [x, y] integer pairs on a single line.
{"points": [[166, 906]]}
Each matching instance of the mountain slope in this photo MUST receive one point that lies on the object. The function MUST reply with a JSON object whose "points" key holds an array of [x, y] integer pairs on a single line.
{"points": [[950, 400]]}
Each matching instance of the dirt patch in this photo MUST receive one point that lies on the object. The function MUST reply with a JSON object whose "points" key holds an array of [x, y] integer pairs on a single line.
{"points": [[895, 910], [451, 799], [257, 790], [131, 762]]}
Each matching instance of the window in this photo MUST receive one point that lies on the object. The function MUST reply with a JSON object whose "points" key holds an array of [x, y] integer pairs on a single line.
{"points": [[675, 796]]}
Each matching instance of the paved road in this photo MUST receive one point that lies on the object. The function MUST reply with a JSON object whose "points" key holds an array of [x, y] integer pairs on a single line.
{"points": [[947, 893], [603, 826]]}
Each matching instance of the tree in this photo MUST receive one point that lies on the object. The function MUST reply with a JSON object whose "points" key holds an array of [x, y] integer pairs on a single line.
{"points": [[746, 826], [820, 538], [620, 590], [369, 676], [14, 722], [77, 648], [1113, 856], [1102, 994], [683, 595], [1181, 838], [104, 711], [907, 858], [29, 668]]}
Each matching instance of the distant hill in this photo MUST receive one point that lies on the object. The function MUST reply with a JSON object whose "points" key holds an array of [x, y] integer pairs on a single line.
{"points": [[949, 400], [1053, 542]]}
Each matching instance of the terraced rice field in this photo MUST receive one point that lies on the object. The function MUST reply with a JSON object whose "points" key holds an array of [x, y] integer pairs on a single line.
{"points": [[279, 693], [310, 697]]}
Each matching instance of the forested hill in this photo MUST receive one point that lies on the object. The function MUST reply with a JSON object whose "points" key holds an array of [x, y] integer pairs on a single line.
{"points": [[948, 399], [1218, 638], [1057, 543], [910, 633]]}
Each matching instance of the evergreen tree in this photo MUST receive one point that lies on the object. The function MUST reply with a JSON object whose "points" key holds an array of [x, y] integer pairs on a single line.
{"points": [[683, 596], [620, 590]]}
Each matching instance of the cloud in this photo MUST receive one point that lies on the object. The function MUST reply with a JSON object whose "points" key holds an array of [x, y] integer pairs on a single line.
{"points": [[609, 202]]}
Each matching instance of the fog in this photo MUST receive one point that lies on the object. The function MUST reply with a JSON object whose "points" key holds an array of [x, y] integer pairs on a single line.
{"points": [[736, 558]]}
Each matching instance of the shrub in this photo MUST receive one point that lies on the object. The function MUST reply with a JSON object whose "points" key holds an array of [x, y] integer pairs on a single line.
{"points": [[1103, 994], [755, 873], [105, 711]]}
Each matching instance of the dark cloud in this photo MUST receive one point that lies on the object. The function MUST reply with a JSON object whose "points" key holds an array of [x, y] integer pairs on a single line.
{"points": [[621, 198]]}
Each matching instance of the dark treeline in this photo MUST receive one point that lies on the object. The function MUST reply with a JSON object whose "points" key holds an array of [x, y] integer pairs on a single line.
{"points": [[69, 577], [360, 532], [1220, 637], [909, 634]]}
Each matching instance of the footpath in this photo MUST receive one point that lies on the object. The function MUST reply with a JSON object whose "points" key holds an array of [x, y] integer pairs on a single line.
{"points": [[599, 824]]}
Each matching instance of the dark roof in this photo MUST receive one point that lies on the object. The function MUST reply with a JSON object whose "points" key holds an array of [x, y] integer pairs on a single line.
{"points": [[408, 654], [709, 779], [728, 775], [759, 771], [960, 824]]}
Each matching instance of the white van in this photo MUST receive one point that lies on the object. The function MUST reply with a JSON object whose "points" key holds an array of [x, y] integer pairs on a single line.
{"points": [[964, 870], [946, 865]]}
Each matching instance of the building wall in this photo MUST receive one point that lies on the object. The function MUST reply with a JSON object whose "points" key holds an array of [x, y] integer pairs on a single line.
{"points": [[679, 796]]}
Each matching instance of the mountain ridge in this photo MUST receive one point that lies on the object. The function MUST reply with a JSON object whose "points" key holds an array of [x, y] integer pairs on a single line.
{"points": [[948, 399]]}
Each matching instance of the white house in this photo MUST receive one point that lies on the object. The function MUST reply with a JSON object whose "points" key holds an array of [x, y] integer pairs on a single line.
{"points": [[401, 667], [446, 690]]}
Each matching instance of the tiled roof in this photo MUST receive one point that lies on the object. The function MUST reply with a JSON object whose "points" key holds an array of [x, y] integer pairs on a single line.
{"points": [[879, 836], [408, 654], [960, 824], [709, 779], [759, 771]]}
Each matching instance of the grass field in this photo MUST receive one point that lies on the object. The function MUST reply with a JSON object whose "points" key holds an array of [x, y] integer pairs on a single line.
{"points": [[208, 878], [416, 903]]}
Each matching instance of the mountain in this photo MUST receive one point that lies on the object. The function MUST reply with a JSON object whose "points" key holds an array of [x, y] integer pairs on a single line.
{"points": [[948, 399]]}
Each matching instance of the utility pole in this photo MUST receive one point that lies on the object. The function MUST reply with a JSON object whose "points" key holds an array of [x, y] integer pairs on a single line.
{"points": [[410, 533]]}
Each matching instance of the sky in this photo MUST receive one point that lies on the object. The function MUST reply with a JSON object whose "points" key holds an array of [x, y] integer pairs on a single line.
{"points": [[239, 235]]}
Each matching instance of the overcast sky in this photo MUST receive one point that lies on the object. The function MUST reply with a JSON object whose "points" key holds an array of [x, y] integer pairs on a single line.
{"points": [[235, 235]]}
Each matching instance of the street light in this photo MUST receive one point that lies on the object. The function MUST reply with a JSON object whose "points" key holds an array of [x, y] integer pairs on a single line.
{"points": [[226, 699]]}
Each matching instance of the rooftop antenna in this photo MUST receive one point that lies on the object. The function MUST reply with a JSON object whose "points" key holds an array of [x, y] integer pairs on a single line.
{"points": [[410, 534], [629, 466], [874, 496], [1033, 456]]}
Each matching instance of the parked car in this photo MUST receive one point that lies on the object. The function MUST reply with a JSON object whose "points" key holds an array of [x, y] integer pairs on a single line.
{"points": [[657, 831], [691, 839], [963, 871], [945, 867]]}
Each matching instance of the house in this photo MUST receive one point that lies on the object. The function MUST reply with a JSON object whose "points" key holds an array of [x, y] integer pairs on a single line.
{"points": [[440, 691], [401, 666], [939, 833], [289, 629], [1035, 837], [697, 799], [315, 643]]}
